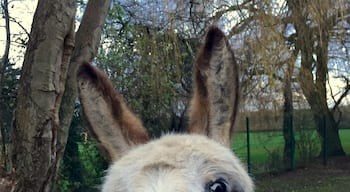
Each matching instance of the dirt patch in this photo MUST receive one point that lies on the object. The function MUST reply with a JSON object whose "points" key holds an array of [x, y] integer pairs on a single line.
{"points": [[314, 176], [7, 181]]}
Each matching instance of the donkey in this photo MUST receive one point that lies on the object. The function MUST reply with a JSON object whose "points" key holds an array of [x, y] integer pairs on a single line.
{"points": [[200, 161]]}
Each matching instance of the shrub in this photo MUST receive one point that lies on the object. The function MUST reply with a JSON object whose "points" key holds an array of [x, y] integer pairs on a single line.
{"points": [[307, 145]]}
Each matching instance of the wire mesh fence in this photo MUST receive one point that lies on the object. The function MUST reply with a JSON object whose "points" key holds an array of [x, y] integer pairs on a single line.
{"points": [[260, 141]]}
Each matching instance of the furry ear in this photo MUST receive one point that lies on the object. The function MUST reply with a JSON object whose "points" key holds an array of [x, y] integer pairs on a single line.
{"points": [[108, 118], [215, 97]]}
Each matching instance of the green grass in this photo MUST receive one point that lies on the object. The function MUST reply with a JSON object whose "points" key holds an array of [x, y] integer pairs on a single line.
{"points": [[314, 177], [263, 144], [345, 139]]}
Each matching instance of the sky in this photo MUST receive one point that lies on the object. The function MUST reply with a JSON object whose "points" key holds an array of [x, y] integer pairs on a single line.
{"points": [[23, 11]]}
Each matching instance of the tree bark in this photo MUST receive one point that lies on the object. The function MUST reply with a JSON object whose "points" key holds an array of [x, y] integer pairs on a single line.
{"points": [[86, 44], [35, 152]]}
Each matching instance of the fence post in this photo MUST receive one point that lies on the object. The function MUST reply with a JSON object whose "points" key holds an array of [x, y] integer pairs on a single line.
{"points": [[292, 144], [324, 141], [248, 145]]}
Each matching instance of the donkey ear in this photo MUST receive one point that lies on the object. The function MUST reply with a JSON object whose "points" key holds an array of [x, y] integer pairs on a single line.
{"points": [[215, 97], [108, 118]]}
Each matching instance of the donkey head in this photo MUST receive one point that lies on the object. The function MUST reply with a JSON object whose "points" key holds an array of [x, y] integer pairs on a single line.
{"points": [[200, 161]]}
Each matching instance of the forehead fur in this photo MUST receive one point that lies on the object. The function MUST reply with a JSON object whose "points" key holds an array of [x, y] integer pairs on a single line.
{"points": [[181, 159]]}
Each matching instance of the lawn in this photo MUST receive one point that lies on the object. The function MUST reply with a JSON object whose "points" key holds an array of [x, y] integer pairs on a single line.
{"points": [[345, 139], [267, 145], [311, 176]]}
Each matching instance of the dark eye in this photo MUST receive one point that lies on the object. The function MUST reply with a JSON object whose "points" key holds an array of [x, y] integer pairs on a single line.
{"points": [[217, 186]]}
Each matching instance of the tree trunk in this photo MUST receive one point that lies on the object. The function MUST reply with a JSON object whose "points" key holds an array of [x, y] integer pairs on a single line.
{"points": [[35, 152], [3, 65], [315, 93], [331, 144], [47, 89], [323, 118], [87, 41]]}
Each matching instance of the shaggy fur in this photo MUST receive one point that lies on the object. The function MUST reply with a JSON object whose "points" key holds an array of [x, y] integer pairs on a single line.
{"points": [[108, 118], [216, 90], [199, 161]]}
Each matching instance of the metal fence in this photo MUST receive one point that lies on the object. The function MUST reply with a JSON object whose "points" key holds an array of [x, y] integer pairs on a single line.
{"points": [[263, 150]]}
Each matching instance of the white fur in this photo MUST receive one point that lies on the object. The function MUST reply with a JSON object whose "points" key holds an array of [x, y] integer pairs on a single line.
{"points": [[177, 163]]}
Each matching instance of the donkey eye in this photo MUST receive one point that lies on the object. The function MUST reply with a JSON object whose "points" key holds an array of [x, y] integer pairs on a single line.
{"points": [[217, 186]]}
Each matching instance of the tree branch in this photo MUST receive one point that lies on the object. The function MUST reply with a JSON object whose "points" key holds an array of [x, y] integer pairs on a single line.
{"points": [[20, 25], [243, 5], [343, 95], [241, 26]]}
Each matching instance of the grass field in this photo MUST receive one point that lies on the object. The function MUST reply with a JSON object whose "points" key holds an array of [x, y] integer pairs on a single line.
{"points": [[312, 176], [266, 145]]}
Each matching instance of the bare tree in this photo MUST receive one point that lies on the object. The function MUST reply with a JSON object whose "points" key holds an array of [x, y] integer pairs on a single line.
{"points": [[314, 22]]}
